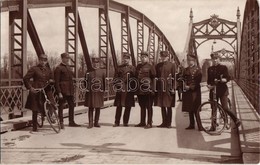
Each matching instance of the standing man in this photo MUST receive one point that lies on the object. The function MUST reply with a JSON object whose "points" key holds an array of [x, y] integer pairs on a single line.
{"points": [[165, 92], [65, 89], [124, 97], [145, 73], [192, 99], [94, 98], [216, 73], [41, 75]]}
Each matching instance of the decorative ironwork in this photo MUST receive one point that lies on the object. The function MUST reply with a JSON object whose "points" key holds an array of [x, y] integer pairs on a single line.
{"points": [[214, 22]]}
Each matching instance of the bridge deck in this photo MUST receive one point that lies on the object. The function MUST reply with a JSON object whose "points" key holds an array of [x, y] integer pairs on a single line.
{"points": [[130, 144]]}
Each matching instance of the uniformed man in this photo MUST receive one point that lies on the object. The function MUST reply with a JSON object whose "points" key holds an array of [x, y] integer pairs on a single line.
{"points": [[192, 75], [165, 92], [94, 98], [124, 97], [41, 75], [145, 73], [216, 73], [65, 89]]}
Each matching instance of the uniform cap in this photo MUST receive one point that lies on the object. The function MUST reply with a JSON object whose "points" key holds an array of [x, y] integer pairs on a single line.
{"points": [[43, 56], [95, 59], [144, 53], [164, 53], [126, 55], [65, 55], [191, 57], [214, 55]]}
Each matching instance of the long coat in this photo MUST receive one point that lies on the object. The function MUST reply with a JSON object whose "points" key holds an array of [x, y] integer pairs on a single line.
{"points": [[192, 97], [95, 83], [63, 76], [124, 98], [215, 72], [145, 74], [40, 75], [165, 95]]}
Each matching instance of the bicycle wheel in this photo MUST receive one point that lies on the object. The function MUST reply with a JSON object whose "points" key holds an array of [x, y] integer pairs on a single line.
{"points": [[212, 121], [52, 116], [40, 119]]}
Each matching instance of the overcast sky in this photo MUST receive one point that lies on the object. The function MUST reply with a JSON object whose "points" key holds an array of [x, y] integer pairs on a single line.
{"points": [[171, 16]]}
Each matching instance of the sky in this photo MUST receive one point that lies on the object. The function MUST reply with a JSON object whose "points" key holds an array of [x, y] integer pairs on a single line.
{"points": [[171, 16]]}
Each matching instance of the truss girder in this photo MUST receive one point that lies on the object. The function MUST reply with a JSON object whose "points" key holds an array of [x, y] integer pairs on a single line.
{"points": [[248, 62], [71, 35], [13, 5], [151, 45], [140, 40]]}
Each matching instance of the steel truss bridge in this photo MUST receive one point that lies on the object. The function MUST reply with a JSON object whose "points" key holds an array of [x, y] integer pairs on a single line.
{"points": [[244, 43]]}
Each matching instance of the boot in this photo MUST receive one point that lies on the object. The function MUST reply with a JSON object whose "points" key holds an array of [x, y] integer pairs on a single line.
{"points": [[60, 114], [90, 118], [97, 114], [34, 121]]}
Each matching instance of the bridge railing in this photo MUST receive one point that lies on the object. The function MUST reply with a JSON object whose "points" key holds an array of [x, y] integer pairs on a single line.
{"points": [[13, 97]]}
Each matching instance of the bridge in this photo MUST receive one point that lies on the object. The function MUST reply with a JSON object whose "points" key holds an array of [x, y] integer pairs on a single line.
{"points": [[129, 145]]}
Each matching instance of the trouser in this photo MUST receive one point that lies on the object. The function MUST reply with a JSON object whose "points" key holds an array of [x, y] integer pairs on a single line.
{"points": [[224, 104], [146, 102], [90, 115], [179, 93], [119, 112], [70, 101], [34, 119], [166, 116]]}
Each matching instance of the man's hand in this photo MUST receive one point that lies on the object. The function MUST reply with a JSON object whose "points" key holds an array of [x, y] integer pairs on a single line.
{"points": [[187, 87], [223, 80], [51, 81], [33, 90], [210, 86], [60, 96]]}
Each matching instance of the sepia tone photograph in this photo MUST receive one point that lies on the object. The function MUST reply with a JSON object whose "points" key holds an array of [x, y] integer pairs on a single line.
{"points": [[130, 82]]}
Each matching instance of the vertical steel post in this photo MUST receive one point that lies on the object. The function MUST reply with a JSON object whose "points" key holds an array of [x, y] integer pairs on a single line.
{"points": [[71, 39], [140, 38]]}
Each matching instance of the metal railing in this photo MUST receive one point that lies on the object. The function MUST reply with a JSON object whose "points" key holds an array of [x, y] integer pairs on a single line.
{"points": [[12, 97]]}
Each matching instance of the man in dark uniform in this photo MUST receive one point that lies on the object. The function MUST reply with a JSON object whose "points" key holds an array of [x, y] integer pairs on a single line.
{"points": [[124, 97], [65, 89], [41, 75], [145, 73], [216, 73], [165, 92], [94, 98], [192, 75]]}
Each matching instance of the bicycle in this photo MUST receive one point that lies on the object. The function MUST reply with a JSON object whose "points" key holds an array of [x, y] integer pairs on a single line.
{"points": [[49, 112], [211, 115]]}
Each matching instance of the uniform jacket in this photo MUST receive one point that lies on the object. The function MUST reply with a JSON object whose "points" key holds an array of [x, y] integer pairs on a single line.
{"points": [[215, 72], [192, 97], [145, 74], [95, 83], [64, 80], [165, 85], [40, 75], [125, 98]]}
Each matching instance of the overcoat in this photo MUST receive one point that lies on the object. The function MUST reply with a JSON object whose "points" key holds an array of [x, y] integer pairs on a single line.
{"points": [[40, 75], [125, 96], [95, 86], [165, 85], [63, 76], [216, 72], [145, 74], [192, 97]]}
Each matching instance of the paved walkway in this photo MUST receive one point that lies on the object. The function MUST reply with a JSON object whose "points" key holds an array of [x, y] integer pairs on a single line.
{"points": [[125, 145]]}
